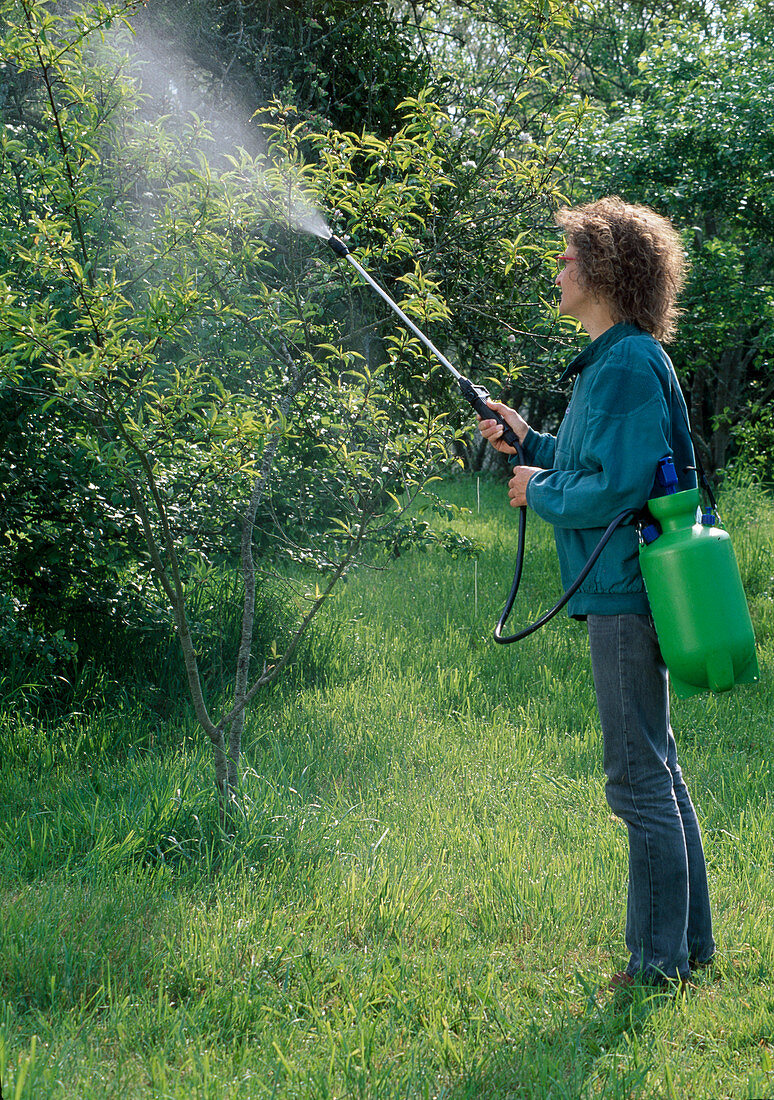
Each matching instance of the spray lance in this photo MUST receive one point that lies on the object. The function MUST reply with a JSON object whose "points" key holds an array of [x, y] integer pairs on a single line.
{"points": [[477, 397], [707, 644]]}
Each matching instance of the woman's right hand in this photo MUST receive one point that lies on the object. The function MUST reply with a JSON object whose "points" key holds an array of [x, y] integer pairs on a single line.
{"points": [[492, 431]]}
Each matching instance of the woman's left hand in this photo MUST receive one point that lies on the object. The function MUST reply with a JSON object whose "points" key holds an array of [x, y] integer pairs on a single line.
{"points": [[517, 486]]}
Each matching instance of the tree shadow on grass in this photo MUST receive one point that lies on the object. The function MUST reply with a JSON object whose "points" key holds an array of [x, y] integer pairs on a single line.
{"points": [[560, 1063]]}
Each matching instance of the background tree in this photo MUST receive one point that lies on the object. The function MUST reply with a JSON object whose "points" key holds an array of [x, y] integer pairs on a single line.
{"points": [[136, 279], [346, 64], [603, 42], [693, 140], [204, 366]]}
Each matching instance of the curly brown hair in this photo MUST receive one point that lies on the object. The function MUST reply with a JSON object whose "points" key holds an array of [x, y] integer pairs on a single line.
{"points": [[631, 257]]}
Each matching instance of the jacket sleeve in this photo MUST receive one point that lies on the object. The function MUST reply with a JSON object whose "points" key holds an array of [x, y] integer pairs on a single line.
{"points": [[539, 450], [625, 432]]}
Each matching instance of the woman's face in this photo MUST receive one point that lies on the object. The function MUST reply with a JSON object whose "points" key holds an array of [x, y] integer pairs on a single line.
{"points": [[575, 297]]}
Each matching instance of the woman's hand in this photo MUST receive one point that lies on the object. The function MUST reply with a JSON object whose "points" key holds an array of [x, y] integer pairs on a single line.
{"points": [[517, 486], [492, 431]]}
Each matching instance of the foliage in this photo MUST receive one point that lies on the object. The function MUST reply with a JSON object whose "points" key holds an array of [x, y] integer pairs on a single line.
{"points": [[347, 64], [137, 291], [160, 323], [62, 544], [196, 362], [755, 442], [500, 73], [604, 41], [696, 144]]}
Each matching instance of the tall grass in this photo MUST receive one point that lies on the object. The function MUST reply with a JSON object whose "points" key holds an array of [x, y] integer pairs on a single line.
{"points": [[423, 894]]}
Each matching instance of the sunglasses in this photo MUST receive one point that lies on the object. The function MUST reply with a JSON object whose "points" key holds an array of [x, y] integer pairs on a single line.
{"points": [[564, 259]]}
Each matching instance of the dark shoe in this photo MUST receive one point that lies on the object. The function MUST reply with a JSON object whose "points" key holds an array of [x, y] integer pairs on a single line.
{"points": [[622, 980], [706, 970], [669, 985]]}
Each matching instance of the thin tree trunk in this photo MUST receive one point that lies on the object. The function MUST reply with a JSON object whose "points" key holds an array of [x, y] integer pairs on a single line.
{"points": [[242, 678]]}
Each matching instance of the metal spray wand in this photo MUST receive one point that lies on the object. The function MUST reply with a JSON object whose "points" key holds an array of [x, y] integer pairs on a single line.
{"points": [[475, 395]]}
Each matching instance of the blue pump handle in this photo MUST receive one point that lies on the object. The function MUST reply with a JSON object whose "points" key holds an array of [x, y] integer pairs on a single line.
{"points": [[666, 475]]}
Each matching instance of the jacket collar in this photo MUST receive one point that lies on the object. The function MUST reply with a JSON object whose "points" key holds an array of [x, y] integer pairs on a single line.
{"points": [[599, 347]]}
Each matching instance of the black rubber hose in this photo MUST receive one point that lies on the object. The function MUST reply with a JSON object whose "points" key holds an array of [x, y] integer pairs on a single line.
{"points": [[517, 637], [566, 596]]}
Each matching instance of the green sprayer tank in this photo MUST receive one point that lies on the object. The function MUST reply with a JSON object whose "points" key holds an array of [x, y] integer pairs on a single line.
{"points": [[697, 599]]}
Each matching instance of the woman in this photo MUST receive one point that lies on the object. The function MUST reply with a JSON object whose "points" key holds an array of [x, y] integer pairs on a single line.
{"points": [[620, 276]]}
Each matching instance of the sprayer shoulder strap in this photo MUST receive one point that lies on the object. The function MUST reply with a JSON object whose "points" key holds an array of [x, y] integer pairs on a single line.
{"points": [[701, 474]]}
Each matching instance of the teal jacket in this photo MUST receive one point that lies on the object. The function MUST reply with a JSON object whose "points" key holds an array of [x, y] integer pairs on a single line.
{"points": [[626, 412]]}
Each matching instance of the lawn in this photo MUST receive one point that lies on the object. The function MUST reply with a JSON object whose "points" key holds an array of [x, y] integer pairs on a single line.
{"points": [[425, 894]]}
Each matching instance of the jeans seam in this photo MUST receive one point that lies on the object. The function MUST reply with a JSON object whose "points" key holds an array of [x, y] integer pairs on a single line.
{"points": [[632, 787]]}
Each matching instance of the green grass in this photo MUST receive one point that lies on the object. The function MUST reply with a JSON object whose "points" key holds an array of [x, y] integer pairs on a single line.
{"points": [[425, 893]]}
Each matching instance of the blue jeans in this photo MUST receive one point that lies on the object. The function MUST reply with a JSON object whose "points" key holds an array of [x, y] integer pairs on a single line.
{"points": [[668, 920]]}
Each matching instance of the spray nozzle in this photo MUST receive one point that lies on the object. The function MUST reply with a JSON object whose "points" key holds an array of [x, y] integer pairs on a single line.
{"points": [[337, 245]]}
